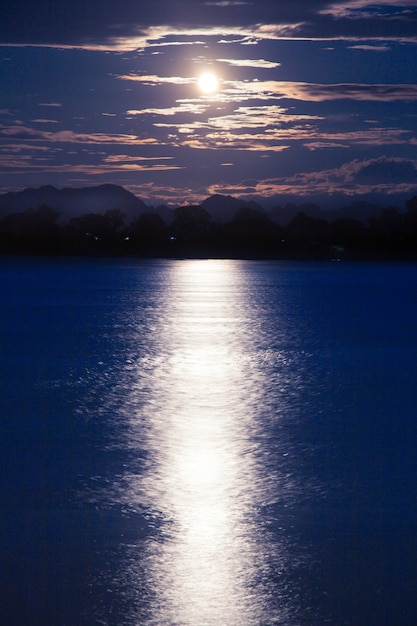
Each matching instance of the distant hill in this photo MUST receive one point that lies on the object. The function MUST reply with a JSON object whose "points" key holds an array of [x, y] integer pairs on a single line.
{"points": [[72, 202], [360, 211], [164, 212], [224, 208], [283, 215]]}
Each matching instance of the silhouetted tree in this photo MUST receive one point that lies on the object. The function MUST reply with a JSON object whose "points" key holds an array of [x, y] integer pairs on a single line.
{"points": [[88, 227], [115, 221], [391, 234], [411, 206], [410, 226], [31, 231], [308, 236], [147, 231], [348, 235], [192, 225], [254, 231], [95, 232], [386, 232]]}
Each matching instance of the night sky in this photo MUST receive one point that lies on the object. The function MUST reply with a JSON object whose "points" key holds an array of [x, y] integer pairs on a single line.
{"points": [[316, 99]]}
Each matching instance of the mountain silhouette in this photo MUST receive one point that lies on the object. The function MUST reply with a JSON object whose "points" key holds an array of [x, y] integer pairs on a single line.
{"points": [[71, 202], [224, 208], [74, 202], [358, 210]]}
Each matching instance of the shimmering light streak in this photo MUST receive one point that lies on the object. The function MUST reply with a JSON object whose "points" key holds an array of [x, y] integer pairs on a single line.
{"points": [[193, 412]]}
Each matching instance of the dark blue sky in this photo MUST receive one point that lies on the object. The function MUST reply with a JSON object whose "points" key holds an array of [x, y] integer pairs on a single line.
{"points": [[316, 99]]}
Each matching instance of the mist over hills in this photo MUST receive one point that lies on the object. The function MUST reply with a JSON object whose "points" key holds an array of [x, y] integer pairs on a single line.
{"points": [[73, 202]]}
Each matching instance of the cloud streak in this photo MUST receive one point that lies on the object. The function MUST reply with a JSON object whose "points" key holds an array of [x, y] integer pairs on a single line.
{"points": [[353, 179], [234, 90], [69, 136], [94, 25], [258, 63]]}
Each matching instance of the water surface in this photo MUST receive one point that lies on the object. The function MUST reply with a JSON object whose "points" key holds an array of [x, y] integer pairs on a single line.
{"points": [[197, 443]]}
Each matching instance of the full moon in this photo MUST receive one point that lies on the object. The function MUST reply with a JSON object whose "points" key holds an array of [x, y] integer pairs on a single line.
{"points": [[208, 83]]}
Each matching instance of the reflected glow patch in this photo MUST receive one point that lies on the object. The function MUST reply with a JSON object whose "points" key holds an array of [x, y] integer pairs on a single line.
{"points": [[200, 480], [196, 395]]}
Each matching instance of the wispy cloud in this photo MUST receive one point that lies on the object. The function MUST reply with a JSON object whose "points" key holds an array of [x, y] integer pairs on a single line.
{"points": [[355, 178], [25, 163], [195, 108], [125, 158], [239, 142], [258, 63], [228, 3], [69, 136], [15, 148], [320, 92], [361, 8], [44, 121], [244, 41], [96, 25], [242, 117], [369, 48], [156, 36], [316, 92], [153, 80], [361, 176]]}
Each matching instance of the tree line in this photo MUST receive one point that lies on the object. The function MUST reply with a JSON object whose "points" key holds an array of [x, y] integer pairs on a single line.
{"points": [[193, 233]]}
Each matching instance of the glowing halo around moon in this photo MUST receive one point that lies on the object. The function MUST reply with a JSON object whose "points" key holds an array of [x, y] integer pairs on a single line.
{"points": [[208, 83]]}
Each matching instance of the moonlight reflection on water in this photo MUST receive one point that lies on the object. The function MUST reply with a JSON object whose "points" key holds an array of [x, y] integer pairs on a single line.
{"points": [[194, 411], [195, 443]]}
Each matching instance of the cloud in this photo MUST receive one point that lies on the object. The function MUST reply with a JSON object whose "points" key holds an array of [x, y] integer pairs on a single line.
{"points": [[44, 121], [394, 170], [354, 178], [169, 194], [97, 25], [355, 9], [93, 25], [227, 3], [69, 136], [125, 158], [170, 35], [166, 44], [259, 63], [229, 133], [110, 164], [153, 80], [235, 90], [9, 148], [190, 107], [349, 180], [320, 92], [26, 164], [244, 41], [369, 48], [228, 141]]}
